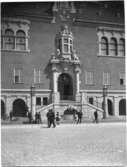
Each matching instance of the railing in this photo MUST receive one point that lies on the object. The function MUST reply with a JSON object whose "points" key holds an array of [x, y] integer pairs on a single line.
{"points": [[50, 106]]}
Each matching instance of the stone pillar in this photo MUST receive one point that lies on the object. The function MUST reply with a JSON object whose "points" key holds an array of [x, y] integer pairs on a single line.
{"points": [[28, 102], [54, 82], [77, 83], [33, 106], [78, 96], [8, 105], [55, 94], [116, 106], [106, 107]]}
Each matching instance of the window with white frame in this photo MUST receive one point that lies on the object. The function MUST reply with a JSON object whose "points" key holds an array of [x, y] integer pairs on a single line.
{"points": [[20, 40], [67, 45], [122, 47], [38, 101], [122, 78], [113, 47], [14, 38], [106, 78], [9, 39], [18, 75], [111, 41], [37, 76], [104, 46], [89, 77]]}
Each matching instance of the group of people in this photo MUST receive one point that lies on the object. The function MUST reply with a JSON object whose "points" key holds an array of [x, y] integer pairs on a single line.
{"points": [[77, 116], [52, 119]]}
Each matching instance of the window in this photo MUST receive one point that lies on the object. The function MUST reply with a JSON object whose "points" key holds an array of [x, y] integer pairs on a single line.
{"points": [[20, 40], [91, 100], [104, 46], [37, 76], [68, 45], [106, 78], [38, 101], [122, 78], [9, 39], [111, 41], [89, 78], [113, 47], [45, 100], [121, 47], [18, 75]]}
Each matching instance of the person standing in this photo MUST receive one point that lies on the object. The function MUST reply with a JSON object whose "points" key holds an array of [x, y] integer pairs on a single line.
{"points": [[96, 116], [51, 118], [79, 113]]}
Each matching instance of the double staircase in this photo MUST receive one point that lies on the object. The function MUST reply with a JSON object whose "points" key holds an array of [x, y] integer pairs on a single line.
{"points": [[87, 109]]}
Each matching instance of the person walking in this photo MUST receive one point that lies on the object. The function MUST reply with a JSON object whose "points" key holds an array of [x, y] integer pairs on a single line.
{"points": [[51, 118], [96, 116], [79, 113]]}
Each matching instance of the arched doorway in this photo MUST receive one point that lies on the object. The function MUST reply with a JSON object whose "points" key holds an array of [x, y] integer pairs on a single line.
{"points": [[65, 87], [2, 109], [122, 107], [19, 108], [110, 107]]}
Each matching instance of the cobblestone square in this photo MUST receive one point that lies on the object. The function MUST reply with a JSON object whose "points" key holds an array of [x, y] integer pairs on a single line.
{"points": [[66, 145]]}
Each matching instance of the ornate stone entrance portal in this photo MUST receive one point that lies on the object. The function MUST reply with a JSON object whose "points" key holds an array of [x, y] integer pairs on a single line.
{"points": [[65, 87], [65, 68]]}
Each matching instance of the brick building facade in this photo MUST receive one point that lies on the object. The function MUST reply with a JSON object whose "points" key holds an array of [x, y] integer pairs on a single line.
{"points": [[57, 54]]}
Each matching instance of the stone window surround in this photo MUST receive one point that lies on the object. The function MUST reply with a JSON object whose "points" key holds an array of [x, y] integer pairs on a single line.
{"points": [[109, 32], [107, 77], [122, 76], [18, 72], [91, 81], [15, 25]]}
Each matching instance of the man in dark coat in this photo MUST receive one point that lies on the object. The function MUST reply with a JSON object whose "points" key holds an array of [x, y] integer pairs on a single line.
{"points": [[51, 118], [79, 114], [96, 116]]}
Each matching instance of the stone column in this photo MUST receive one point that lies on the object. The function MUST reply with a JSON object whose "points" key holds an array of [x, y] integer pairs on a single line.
{"points": [[55, 94], [54, 82], [8, 105], [77, 80], [106, 107], [116, 106], [33, 106]]}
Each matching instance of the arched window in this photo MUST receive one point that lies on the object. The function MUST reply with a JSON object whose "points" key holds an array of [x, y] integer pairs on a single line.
{"points": [[104, 46], [113, 47], [20, 40], [9, 39], [121, 47]]}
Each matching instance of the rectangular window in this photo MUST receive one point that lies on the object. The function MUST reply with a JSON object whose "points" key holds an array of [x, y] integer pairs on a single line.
{"points": [[89, 78], [45, 100], [18, 75], [38, 101], [122, 78], [91, 100], [65, 48], [106, 78], [37, 76]]}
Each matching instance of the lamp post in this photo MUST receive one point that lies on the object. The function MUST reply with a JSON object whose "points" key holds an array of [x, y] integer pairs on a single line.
{"points": [[32, 89], [104, 100]]}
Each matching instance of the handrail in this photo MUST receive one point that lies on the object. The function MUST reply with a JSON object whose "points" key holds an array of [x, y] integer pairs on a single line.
{"points": [[46, 107]]}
